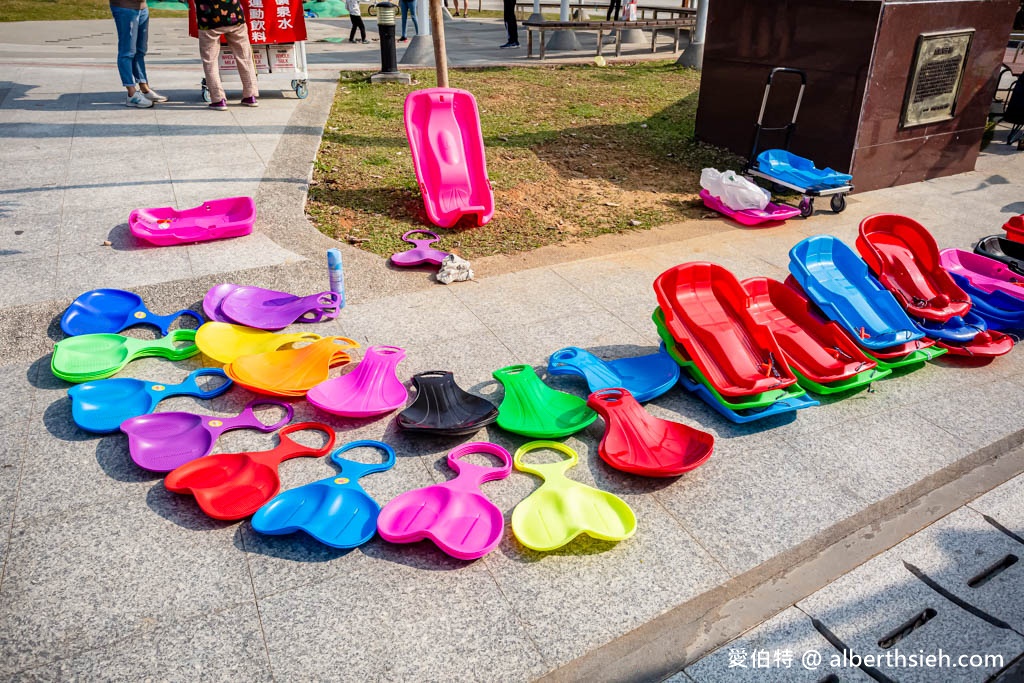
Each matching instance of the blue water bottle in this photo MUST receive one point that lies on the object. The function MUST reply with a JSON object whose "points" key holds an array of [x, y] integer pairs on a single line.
{"points": [[337, 277]]}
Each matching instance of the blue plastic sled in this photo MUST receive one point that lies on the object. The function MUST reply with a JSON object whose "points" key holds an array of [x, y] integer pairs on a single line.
{"points": [[958, 330], [113, 310], [835, 279], [998, 309], [335, 511], [787, 405], [646, 377], [796, 170], [102, 405]]}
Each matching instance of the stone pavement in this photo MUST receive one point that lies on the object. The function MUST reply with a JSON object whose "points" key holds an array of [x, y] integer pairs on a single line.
{"points": [[106, 574]]}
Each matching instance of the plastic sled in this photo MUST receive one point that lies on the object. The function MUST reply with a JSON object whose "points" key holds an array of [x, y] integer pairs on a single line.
{"points": [[999, 310], [442, 407], [796, 170], [987, 344], [834, 278], [103, 311], [958, 330], [562, 509], [705, 310], [455, 515], [904, 257], [1003, 250], [291, 372], [982, 272], [212, 220], [817, 349], [635, 441], [161, 442], [98, 356], [746, 415], [214, 298], [371, 388], [534, 409], [266, 309], [904, 355], [447, 148], [420, 253], [225, 342], [335, 511], [772, 213], [1015, 229], [645, 377], [101, 406], [678, 354], [235, 485]]}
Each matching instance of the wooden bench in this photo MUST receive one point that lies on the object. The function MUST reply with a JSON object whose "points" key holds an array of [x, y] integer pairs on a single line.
{"points": [[580, 9], [675, 25]]}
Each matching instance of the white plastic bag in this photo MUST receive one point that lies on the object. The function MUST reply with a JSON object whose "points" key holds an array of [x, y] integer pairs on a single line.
{"points": [[735, 191], [629, 11]]}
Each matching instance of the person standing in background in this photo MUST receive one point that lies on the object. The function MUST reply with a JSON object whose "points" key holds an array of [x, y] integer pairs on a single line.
{"points": [[511, 27], [357, 21], [216, 18], [408, 7], [131, 18], [615, 5]]}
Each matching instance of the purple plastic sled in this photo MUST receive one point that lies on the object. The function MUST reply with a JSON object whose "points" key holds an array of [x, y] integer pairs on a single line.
{"points": [[985, 273], [772, 213], [161, 442], [212, 220], [266, 309], [420, 253]]}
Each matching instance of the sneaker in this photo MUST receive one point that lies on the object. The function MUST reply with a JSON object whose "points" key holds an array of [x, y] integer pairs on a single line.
{"points": [[250, 102], [154, 96], [507, 45], [138, 100], [365, 42], [403, 39], [219, 106]]}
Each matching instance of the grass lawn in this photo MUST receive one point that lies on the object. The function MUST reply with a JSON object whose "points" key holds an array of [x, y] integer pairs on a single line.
{"points": [[51, 10], [572, 152]]}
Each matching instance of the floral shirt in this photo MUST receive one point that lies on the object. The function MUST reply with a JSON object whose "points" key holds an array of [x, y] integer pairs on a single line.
{"points": [[218, 13]]}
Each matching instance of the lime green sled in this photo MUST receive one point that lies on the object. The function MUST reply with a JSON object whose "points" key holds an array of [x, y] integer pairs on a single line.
{"points": [[562, 509], [98, 356], [762, 400], [858, 381]]}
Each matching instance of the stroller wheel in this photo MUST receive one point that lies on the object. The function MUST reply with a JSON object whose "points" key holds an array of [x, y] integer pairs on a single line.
{"points": [[838, 202], [806, 207]]}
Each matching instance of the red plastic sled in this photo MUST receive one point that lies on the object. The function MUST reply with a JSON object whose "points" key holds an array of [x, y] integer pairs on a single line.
{"points": [[819, 349], [213, 220], [447, 146], [773, 213], [637, 442], [904, 257], [1015, 228], [988, 344], [705, 309]]}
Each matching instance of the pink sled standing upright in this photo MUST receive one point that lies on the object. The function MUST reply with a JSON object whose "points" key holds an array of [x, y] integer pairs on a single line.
{"points": [[447, 147]]}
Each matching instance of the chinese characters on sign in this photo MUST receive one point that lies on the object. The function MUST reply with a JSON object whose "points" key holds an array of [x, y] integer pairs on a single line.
{"points": [[275, 22], [935, 77]]}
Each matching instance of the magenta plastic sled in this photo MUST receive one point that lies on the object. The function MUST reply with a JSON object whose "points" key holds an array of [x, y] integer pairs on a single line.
{"points": [[447, 147], [212, 220], [750, 217], [420, 253], [455, 515], [372, 388], [985, 273]]}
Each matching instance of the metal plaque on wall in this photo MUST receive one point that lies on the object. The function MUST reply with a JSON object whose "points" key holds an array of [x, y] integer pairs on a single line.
{"points": [[935, 77]]}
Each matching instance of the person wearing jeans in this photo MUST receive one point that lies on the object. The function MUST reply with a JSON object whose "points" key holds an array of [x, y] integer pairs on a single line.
{"points": [[216, 18], [131, 18], [511, 27], [408, 7]]}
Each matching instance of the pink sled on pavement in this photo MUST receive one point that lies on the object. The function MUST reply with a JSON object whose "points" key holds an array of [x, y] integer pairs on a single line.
{"points": [[447, 147], [212, 220], [750, 217]]}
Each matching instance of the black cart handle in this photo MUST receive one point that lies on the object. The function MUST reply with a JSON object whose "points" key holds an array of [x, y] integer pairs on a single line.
{"points": [[768, 88]]}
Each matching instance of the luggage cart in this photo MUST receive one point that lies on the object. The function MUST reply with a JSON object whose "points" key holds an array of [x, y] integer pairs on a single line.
{"points": [[837, 194], [277, 33]]}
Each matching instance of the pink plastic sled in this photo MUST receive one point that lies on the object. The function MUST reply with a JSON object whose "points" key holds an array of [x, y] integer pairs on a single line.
{"points": [[447, 146], [983, 272], [213, 220], [750, 217]]}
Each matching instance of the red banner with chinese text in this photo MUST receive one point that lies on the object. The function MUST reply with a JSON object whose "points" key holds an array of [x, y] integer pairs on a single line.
{"points": [[271, 22]]}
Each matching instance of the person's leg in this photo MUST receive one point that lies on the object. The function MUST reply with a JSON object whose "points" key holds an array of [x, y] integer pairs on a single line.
{"points": [[404, 7], [141, 45], [510, 23], [352, 33], [209, 52], [238, 38], [362, 28], [124, 20], [415, 21], [618, 8]]}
